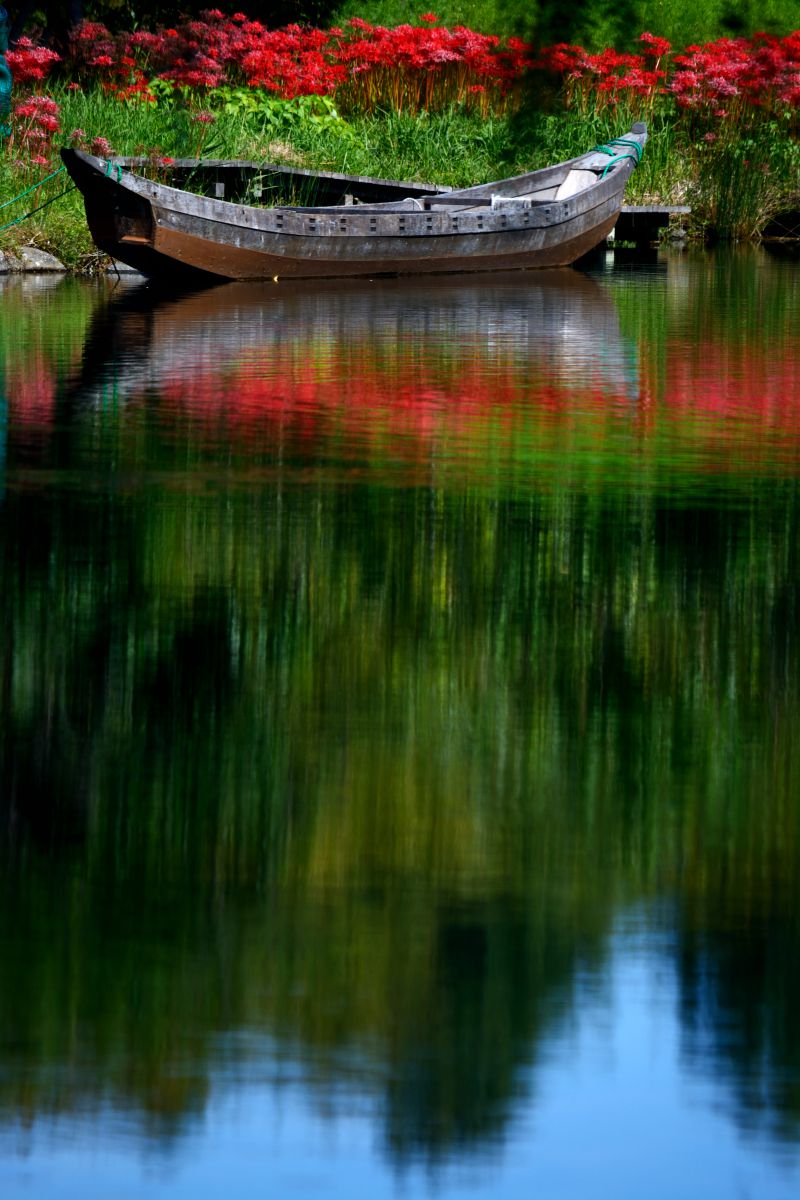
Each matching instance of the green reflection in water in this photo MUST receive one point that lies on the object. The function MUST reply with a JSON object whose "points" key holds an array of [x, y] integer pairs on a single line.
{"points": [[375, 767]]}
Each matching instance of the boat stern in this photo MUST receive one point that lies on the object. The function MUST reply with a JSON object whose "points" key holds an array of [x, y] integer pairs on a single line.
{"points": [[120, 221]]}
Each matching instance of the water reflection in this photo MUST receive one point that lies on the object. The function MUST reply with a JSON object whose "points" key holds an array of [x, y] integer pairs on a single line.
{"points": [[393, 681], [418, 383]]}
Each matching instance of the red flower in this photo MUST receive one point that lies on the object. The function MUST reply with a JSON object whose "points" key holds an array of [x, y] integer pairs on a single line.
{"points": [[657, 46]]}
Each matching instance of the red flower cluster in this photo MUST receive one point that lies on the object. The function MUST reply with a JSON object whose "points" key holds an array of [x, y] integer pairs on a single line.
{"points": [[409, 66], [367, 61], [35, 124], [29, 63], [735, 73], [762, 72], [425, 66], [599, 80]]}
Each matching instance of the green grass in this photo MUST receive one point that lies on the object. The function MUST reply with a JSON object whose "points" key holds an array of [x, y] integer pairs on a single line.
{"points": [[501, 17]]}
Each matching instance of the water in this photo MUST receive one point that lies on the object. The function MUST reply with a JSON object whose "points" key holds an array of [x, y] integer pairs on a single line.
{"points": [[400, 780]]}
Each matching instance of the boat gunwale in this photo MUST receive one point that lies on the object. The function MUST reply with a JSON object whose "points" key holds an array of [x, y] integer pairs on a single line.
{"points": [[164, 196]]}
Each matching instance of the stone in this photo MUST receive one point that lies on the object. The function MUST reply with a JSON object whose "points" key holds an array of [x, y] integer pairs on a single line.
{"points": [[8, 263], [34, 259]]}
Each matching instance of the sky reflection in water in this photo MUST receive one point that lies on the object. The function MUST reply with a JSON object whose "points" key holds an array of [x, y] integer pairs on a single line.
{"points": [[612, 1102]]}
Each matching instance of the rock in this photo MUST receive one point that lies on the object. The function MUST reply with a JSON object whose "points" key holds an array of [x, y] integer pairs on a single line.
{"points": [[34, 259], [8, 263]]}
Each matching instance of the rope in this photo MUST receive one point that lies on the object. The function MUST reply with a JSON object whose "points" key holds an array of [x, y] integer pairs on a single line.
{"points": [[611, 148], [631, 144], [25, 216], [28, 191], [111, 167], [618, 159]]}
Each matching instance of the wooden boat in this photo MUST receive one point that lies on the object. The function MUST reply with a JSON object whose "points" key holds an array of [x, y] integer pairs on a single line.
{"points": [[366, 227]]}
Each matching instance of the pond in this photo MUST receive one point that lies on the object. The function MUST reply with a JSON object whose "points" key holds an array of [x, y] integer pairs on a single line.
{"points": [[399, 770]]}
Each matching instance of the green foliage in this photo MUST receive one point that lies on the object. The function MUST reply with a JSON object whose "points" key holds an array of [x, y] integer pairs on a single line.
{"points": [[592, 23], [270, 116], [452, 148], [501, 17]]}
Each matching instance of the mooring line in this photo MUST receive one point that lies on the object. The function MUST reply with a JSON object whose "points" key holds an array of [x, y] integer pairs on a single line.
{"points": [[33, 188], [33, 211]]}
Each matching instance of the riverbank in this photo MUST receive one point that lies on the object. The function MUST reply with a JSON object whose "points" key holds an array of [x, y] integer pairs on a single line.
{"points": [[418, 103]]}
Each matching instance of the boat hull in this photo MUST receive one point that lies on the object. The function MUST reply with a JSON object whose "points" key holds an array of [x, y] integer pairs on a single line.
{"points": [[173, 249]]}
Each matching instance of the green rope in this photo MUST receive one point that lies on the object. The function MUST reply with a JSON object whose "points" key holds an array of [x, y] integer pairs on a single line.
{"points": [[28, 191], [629, 142], [619, 158], [111, 167], [25, 216], [612, 149]]}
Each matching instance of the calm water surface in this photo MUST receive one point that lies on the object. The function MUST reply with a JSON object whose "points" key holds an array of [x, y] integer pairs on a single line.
{"points": [[399, 768]]}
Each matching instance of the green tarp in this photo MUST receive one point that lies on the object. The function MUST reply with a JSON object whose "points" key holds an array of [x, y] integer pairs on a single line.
{"points": [[6, 81]]}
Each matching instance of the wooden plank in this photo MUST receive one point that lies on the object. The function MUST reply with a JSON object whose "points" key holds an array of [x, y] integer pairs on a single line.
{"points": [[211, 169], [658, 209]]}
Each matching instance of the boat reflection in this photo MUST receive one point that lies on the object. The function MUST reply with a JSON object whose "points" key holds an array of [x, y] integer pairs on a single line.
{"points": [[251, 352]]}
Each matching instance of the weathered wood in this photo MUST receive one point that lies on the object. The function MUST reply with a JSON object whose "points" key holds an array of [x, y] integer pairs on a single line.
{"points": [[516, 223]]}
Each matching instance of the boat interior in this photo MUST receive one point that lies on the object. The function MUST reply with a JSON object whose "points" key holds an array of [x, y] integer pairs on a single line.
{"points": [[274, 186]]}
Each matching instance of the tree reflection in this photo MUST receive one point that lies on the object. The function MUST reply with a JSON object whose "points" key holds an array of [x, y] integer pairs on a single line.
{"points": [[374, 768]]}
